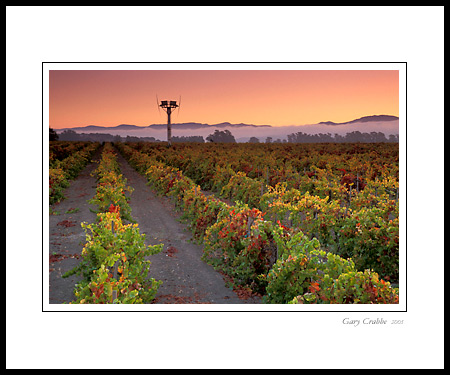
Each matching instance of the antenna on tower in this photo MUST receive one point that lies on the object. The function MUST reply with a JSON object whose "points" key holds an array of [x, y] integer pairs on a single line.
{"points": [[169, 106], [157, 104], [179, 106]]}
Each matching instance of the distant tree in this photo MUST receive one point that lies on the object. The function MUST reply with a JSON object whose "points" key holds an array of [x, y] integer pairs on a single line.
{"points": [[53, 135], [393, 138], [253, 140], [117, 138], [69, 135], [379, 137], [130, 138], [223, 136], [354, 136], [269, 139], [326, 138]]}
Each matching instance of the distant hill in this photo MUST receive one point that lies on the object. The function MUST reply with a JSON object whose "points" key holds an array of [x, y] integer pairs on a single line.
{"points": [[92, 128], [363, 119], [198, 125], [184, 125]]}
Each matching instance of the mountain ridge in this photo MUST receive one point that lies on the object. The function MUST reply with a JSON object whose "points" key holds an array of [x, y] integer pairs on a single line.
{"points": [[362, 119], [198, 125]]}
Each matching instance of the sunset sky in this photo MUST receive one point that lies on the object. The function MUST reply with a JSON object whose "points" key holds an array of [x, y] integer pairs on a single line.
{"points": [[260, 97]]}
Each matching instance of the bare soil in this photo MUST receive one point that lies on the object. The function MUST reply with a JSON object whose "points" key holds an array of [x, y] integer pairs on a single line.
{"points": [[186, 278]]}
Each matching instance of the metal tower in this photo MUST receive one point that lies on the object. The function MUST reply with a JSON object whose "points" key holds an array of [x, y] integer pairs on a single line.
{"points": [[169, 106]]}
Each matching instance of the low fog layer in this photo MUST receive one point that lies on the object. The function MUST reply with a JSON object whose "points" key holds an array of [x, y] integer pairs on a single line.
{"points": [[243, 133]]}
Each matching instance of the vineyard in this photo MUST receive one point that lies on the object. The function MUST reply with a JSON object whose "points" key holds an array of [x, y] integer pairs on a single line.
{"points": [[66, 160], [292, 223]]}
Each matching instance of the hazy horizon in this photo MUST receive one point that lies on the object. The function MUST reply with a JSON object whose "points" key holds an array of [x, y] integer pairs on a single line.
{"points": [[212, 124], [386, 127]]}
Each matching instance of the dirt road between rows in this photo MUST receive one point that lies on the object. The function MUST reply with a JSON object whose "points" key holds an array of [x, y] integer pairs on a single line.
{"points": [[186, 278]]}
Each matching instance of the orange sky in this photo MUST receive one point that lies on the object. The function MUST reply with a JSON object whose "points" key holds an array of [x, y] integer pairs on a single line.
{"points": [[260, 97]]}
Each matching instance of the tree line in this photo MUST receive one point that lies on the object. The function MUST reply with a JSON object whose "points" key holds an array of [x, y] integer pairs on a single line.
{"points": [[355, 136], [225, 136]]}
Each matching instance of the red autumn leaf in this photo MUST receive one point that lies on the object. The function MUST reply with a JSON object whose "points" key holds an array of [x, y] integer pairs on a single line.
{"points": [[314, 287]]}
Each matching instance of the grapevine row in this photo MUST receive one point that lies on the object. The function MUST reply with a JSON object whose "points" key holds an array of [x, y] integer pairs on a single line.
{"points": [[113, 266], [280, 262], [73, 159]]}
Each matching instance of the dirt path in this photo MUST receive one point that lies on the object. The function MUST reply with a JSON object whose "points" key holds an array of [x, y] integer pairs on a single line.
{"points": [[186, 278], [66, 236]]}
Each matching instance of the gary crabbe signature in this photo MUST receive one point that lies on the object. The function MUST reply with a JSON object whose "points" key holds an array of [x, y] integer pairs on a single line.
{"points": [[371, 321]]}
